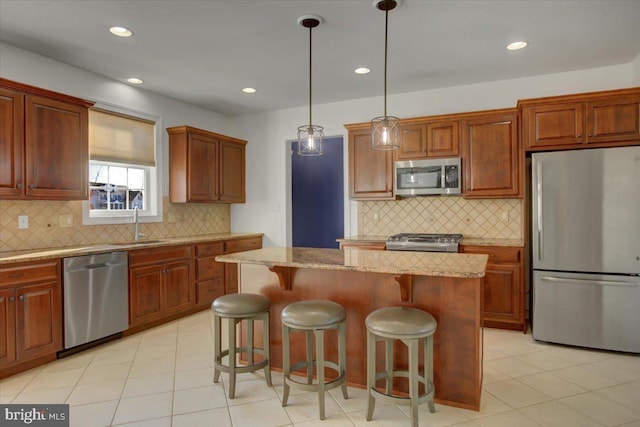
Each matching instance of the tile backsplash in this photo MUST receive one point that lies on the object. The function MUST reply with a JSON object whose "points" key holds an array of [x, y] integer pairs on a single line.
{"points": [[45, 231], [485, 218]]}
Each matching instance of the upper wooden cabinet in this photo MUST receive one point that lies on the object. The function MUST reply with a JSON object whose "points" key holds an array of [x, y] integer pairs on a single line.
{"points": [[370, 171], [574, 121], [44, 151], [205, 166], [428, 140], [491, 156]]}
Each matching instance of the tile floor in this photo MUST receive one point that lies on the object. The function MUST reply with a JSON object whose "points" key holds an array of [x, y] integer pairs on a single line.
{"points": [[163, 377]]}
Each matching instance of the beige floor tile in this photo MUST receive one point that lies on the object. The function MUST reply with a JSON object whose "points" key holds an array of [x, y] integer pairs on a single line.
{"points": [[585, 378], [492, 375], [142, 408], [149, 384], [601, 409], [515, 393], [579, 356], [466, 424], [156, 422], [507, 419], [621, 368], [94, 393], [98, 374], [624, 394], [155, 351], [250, 391], [357, 400], [515, 347], [493, 353], [305, 407], [545, 360], [110, 357], [552, 385], [123, 343], [55, 379], [383, 416], [47, 395], [555, 414], [513, 367], [267, 413], [198, 399], [146, 367], [16, 383], [7, 398], [185, 362], [631, 424], [341, 420], [92, 415], [213, 417], [444, 415], [80, 360], [489, 405], [193, 378]]}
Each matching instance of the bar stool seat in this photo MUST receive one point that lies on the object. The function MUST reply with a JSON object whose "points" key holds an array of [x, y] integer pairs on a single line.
{"points": [[314, 316], [236, 308], [408, 325]]}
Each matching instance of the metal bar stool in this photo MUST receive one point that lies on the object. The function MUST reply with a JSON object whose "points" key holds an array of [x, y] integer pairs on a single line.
{"points": [[408, 325], [314, 316], [236, 308]]}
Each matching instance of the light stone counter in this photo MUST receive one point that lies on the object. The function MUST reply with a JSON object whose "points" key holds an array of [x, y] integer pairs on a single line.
{"points": [[471, 241], [392, 262], [49, 253]]}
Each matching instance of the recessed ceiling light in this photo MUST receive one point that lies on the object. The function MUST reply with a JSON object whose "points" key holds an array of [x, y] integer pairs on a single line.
{"points": [[517, 45], [135, 81], [121, 31], [362, 70], [249, 90]]}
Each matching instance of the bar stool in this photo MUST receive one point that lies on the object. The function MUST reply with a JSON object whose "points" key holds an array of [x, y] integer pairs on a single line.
{"points": [[236, 308], [408, 325], [314, 316]]}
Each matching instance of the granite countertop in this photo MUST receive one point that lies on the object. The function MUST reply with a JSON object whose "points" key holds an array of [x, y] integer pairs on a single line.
{"points": [[61, 252], [472, 241], [392, 262]]}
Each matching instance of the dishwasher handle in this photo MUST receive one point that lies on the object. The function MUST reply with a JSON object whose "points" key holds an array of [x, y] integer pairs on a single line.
{"points": [[99, 265]]}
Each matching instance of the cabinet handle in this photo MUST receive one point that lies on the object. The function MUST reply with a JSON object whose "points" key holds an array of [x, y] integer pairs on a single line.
{"points": [[590, 134], [579, 135], [12, 299], [19, 185], [32, 186], [167, 271], [21, 297]]}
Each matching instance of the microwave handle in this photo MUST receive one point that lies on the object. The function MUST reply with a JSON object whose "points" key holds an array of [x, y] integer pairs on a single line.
{"points": [[443, 176]]}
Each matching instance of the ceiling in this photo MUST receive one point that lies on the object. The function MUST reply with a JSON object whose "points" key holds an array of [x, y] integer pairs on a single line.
{"points": [[205, 52]]}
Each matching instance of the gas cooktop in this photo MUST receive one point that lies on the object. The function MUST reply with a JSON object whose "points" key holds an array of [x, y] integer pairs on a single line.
{"points": [[424, 242]]}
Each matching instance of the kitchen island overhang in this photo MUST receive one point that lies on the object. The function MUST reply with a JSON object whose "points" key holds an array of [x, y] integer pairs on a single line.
{"points": [[449, 286]]}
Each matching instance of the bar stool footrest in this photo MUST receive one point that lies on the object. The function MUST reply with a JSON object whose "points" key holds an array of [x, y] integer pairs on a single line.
{"points": [[401, 399]]}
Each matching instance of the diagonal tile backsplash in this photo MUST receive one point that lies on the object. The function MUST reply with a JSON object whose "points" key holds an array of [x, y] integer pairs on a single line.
{"points": [[485, 218], [188, 219]]}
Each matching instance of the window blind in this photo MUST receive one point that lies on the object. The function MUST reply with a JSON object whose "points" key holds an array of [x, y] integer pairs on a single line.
{"points": [[122, 139]]}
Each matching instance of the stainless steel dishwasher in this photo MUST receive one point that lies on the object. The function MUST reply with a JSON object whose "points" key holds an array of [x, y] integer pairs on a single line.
{"points": [[96, 297]]}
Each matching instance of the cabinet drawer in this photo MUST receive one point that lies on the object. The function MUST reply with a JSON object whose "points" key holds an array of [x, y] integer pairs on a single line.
{"points": [[208, 269], [209, 249], [208, 290], [158, 255], [29, 273], [508, 255], [240, 245]]}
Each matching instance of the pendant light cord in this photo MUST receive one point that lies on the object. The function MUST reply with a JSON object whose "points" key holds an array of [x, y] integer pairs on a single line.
{"points": [[386, 25], [310, 70]]}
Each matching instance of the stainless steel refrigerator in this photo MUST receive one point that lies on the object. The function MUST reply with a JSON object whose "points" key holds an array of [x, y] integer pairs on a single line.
{"points": [[586, 248]]}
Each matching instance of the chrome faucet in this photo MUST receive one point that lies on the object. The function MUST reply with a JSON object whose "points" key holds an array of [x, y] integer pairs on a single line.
{"points": [[137, 234]]}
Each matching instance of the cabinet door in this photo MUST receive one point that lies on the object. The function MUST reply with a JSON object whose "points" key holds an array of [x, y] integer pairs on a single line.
{"points": [[231, 278], [491, 161], [413, 142], [179, 288], [203, 168], [11, 142], [502, 293], [553, 125], [443, 139], [38, 320], [145, 294], [7, 326], [370, 171], [56, 149], [232, 173], [614, 120]]}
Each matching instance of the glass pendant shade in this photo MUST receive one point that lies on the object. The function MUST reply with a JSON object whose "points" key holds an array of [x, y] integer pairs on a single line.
{"points": [[385, 133], [310, 140]]}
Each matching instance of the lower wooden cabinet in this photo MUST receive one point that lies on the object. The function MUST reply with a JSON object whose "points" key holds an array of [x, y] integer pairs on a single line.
{"points": [[160, 283], [30, 313], [210, 274], [504, 286]]}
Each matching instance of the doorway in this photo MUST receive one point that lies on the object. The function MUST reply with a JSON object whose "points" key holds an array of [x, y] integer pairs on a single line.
{"points": [[317, 196]]}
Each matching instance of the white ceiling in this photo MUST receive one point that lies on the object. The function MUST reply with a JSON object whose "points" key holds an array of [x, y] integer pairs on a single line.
{"points": [[204, 52]]}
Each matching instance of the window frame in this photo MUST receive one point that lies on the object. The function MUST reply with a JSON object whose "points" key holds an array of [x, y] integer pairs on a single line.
{"points": [[153, 178]]}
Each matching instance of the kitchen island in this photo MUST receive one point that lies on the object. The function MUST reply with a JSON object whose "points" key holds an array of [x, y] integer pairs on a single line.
{"points": [[449, 286]]}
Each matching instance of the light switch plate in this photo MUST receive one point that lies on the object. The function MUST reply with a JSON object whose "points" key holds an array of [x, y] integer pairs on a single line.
{"points": [[65, 221], [23, 221]]}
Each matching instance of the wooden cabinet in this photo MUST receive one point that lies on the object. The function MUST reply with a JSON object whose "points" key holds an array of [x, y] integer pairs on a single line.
{"points": [[504, 290], [160, 283], [205, 166], [230, 269], [575, 121], [491, 157], [429, 139], [43, 144], [370, 171], [30, 313], [210, 277]]}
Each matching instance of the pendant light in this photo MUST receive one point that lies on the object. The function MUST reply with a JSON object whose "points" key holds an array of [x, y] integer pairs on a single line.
{"points": [[385, 132], [310, 137]]}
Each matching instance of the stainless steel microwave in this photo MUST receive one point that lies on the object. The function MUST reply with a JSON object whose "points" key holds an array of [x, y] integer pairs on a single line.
{"points": [[428, 177]]}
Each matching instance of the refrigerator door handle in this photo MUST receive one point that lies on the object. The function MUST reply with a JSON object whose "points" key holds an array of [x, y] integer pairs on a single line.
{"points": [[589, 281], [538, 184]]}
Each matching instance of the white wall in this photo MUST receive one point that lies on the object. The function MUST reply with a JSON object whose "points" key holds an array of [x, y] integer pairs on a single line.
{"points": [[635, 70], [37, 70], [268, 177]]}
